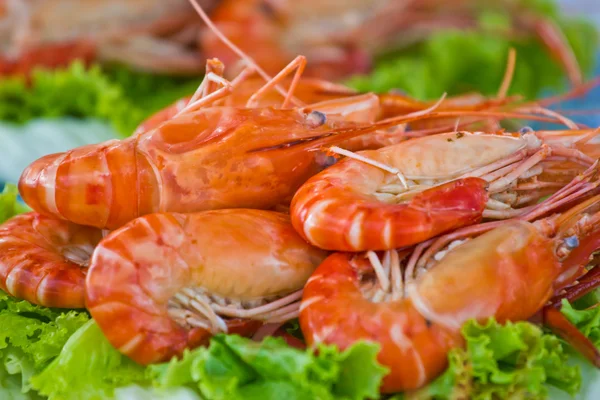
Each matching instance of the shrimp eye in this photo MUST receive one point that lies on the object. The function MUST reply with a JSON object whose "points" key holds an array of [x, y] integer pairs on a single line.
{"points": [[315, 119], [572, 242], [524, 130]]}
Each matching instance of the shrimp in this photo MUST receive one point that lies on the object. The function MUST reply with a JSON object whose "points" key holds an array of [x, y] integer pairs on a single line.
{"points": [[43, 260], [147, 34], [506, 271], [404, 194], [166, 282], [207, 157]]}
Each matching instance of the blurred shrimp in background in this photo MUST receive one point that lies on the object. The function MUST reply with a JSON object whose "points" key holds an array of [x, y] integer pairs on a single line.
{"points": [[155, 35], [340, 38]]}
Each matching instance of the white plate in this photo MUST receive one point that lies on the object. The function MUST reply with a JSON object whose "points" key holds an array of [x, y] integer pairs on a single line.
{"points": [[22, 144]]}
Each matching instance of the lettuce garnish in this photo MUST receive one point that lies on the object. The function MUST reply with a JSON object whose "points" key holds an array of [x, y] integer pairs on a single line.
{"points": [[514, 360], [118, 95], [87, 368], [587, 320], [30, 337], [61, 354], [230, 368]]}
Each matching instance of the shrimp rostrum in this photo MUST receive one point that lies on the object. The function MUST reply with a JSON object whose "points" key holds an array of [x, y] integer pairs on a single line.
{"points": [[166, 282], [414, 303], [404, 194]]}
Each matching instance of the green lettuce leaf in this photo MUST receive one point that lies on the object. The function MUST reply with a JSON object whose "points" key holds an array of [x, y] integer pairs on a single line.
{"points": [[88, 367], [587, 320], [118, 95], [9, 204], [238, 368], [515, 360], [151, 92], [30, 337], [11, 387]]}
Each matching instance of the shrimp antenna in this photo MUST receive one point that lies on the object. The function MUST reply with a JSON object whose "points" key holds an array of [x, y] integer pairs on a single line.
{"points": [[577, 91], [249, 61], [508, 74]]}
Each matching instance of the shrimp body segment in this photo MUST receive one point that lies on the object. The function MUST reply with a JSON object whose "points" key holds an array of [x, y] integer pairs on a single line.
{"points": [[217, 157], [409, 192], [166, 281], [43, 260]]}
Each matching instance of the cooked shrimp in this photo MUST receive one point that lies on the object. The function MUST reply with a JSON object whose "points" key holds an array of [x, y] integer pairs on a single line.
{"points": [[43, 260], [166, 282], [409, 192], [207, 157], [507, 273]]}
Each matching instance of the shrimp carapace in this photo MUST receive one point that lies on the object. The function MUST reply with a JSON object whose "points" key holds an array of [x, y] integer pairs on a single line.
{"points": [[217, 157]]}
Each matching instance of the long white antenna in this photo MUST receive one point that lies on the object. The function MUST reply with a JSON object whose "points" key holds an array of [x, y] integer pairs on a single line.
{"points": [[238, 51]]}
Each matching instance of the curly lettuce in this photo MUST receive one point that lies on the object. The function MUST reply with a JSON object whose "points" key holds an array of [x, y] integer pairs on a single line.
{"points": [[514, 360], [88, 367], [232, 367], [31, 336], [118, 95]]}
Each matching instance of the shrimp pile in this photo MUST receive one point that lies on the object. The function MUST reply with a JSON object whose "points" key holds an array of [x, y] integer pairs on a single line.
{"points": [[253, 202]]}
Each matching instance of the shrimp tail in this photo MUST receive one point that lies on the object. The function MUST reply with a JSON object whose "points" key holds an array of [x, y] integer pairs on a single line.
{"points": [[92, 185]]}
